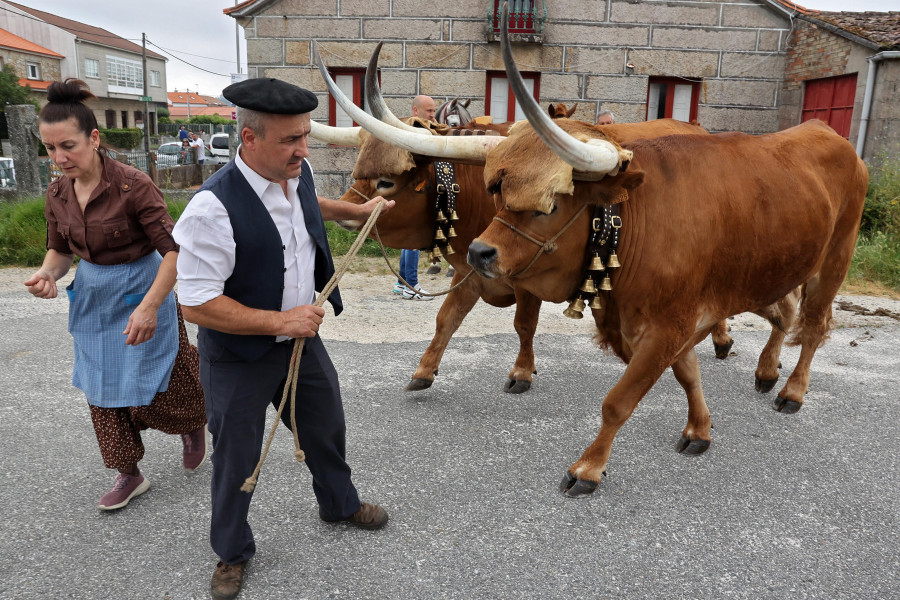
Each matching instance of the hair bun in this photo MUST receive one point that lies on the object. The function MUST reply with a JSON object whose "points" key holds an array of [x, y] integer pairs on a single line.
{"points": [[69, 91]]}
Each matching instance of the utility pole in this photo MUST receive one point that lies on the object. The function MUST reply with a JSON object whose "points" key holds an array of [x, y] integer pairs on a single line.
{"points": [[189, 104], [145, 98]]}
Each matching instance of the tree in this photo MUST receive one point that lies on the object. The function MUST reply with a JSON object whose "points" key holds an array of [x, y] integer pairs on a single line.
{"points": [[13, 93]]}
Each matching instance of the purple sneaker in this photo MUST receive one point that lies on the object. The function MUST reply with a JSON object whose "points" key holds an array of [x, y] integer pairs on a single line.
{"points": [[195, 448], [125, 488]]}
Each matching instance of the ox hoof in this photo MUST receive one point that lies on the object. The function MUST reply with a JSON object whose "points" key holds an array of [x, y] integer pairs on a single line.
{"points": [[764, 386], [788, 407], [419, 383], [516, 387], [723, 350], [577, 488], [688, 446]]}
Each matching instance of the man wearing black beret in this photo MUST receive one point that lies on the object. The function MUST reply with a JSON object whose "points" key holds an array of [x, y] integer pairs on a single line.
{"points": [[253, 253]]}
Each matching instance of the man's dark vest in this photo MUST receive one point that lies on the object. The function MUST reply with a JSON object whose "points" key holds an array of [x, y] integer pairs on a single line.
{"points": [[258, 277]]}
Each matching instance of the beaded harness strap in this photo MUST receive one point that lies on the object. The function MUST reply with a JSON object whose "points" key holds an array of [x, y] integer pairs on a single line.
{"points": [[444, 209], [600, 257]]}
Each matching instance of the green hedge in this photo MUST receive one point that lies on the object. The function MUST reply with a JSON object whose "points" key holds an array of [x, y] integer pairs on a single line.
{"points": [[126, 139]]}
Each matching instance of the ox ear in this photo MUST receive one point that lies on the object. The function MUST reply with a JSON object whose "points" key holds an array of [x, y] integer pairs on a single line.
{"points": [[571, 111], [551, 110], [609, 190]]}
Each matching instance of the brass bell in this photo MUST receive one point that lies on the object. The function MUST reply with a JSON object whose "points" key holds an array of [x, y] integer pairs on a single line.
{"points": [[596, 264], [613, 262], [606, 284], [439, 236], [588, 286], [435, 253], [576, 307], [454, 216], [595, 302], [448, 250], [441, 218], [451, 233]]}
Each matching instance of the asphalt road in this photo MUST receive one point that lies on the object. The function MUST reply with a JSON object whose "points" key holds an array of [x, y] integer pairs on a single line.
{"points": [[781, 506]]}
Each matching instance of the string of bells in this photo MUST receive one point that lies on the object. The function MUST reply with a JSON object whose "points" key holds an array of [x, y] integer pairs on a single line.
{"points": [[589, 290]]}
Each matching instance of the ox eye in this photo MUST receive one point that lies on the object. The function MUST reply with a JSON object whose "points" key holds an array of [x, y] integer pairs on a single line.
{"points": [[384, 184]]}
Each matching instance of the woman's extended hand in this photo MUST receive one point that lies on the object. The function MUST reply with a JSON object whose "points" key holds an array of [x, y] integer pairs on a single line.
{"points": [[141, 325], [42, 285]]}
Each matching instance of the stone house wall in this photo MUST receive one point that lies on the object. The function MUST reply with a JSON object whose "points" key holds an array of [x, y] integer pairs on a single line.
{"points": [[598, 53], [883, 135], [49, 66]]}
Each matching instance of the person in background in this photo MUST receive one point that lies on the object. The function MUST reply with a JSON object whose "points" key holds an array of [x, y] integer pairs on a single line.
{"points": [[424, 108], [605, 118], [253, 254], [197, 142], [184, 157], [133, 359], [182, 134]]}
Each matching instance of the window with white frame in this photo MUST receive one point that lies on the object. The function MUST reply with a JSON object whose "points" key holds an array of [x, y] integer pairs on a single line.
{"points": [[91, 67], [124, 76], [154, 78], [33, 70]]}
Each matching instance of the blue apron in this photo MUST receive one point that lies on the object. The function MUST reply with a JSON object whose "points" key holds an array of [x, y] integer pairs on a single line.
{"points": [[101, 298]]}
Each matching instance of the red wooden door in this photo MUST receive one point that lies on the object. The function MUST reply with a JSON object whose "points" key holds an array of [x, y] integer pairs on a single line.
{"points": [[831, 100]]}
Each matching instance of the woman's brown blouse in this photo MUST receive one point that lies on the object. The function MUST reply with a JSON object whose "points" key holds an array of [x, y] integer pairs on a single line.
{"points": [[125, 218]]}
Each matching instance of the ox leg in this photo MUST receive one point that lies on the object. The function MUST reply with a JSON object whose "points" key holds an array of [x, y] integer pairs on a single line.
{"points": [[814, 324], [528, 308], [785, 314], [644, 369], [722, 342], [451, 314], [695, 438]]}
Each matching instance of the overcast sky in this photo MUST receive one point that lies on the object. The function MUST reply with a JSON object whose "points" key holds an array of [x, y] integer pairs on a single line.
{"points": [[198, 33]]}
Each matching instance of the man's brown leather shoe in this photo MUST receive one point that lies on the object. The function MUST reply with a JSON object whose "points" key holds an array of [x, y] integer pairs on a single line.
{"points": [[369, 516], [227, 581]]}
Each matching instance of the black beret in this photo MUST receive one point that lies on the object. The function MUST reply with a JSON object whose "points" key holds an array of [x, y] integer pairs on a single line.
{"points": [[271, 96]]}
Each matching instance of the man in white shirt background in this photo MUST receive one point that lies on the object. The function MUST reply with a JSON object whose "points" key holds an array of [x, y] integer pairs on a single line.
{"points": [[197, 142], [251, 304]]}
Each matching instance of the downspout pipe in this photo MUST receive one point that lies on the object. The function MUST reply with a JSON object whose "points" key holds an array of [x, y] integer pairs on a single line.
{"points": [[867, 100]]}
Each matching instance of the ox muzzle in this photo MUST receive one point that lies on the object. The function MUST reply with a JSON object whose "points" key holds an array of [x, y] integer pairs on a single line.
{"points": [[483, 259]]}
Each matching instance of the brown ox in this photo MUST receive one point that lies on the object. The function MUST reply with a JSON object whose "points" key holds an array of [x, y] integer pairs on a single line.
{"points": [[712, 226]]}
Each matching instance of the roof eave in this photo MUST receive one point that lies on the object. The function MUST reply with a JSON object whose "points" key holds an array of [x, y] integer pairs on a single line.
{"points": [[248, 8], [843, 33]]}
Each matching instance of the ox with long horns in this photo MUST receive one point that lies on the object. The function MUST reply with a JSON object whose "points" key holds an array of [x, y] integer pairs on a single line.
{"points": [[703, 227]]}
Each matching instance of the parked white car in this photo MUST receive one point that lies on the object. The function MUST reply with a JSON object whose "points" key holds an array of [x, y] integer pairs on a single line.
{"points": [[218, 148], [169, 154], [7, 173]]}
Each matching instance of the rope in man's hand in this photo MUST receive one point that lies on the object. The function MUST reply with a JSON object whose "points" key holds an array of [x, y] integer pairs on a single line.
{"points": [[290, 387]]}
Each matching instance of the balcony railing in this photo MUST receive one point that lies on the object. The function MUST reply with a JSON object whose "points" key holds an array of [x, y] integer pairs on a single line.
{"points": [[526, 19]]}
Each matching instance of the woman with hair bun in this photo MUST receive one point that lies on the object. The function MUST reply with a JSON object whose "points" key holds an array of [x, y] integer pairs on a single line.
{"points": [[133, 359]]}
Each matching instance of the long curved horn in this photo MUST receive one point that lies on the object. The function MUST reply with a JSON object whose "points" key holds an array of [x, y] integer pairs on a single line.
{"points": [[375, 104], [340, 136], [470, 148], [597, 157]]}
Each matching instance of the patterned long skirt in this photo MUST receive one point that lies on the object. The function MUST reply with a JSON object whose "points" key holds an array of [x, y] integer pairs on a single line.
{"points": [[180, 409]]}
